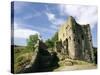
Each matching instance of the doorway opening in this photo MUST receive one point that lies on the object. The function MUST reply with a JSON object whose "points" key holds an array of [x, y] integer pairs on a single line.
{"points": [[67, 47]]}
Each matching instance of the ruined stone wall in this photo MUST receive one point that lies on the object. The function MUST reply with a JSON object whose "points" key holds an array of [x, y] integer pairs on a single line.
{"points": [[65, 35], [83, 42], [76, 40], [88, 53]]}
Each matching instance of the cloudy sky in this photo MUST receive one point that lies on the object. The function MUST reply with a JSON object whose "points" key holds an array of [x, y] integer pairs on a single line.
{"points": [[45, 19]]}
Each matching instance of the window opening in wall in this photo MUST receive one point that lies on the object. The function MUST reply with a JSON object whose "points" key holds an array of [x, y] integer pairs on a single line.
{"points": [[74, 39], [67, 46], [74, 31], [90, 39], [78, 41], [82, 37]]}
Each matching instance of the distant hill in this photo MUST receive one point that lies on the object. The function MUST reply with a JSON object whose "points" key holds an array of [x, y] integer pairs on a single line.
{"points": [[95, 48], [17, 46]]}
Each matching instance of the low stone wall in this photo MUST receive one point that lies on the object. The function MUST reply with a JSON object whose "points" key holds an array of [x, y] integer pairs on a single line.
{"points": [[42, 60]]}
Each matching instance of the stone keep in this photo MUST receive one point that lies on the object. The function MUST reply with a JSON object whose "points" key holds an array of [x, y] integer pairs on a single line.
{"points": [[76, 40]]}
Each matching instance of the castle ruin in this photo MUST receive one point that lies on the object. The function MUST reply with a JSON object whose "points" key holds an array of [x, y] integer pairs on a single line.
{"points": [[75, 41]]}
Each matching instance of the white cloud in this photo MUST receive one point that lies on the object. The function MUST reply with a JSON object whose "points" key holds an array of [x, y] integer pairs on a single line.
{"points": [[50, 16], [83, 14], [58, 21], [22, 32], [55, 21]]}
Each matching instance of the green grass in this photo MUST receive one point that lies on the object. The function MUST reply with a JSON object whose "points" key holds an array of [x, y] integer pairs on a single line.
{"points": [[22, 57]]}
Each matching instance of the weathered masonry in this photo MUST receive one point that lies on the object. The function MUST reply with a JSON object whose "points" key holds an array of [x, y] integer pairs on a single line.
{"points": [[75, 40]]}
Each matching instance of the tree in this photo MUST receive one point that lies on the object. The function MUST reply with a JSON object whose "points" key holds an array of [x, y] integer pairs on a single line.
{"points": [[55, 37], [51, 42], [32, 41]]}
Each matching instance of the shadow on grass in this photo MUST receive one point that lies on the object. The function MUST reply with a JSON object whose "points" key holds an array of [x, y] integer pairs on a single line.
{"points": [[44, 62]]}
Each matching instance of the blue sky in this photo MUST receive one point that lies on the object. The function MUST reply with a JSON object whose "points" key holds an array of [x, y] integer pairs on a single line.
{"points": [[45, 19]]}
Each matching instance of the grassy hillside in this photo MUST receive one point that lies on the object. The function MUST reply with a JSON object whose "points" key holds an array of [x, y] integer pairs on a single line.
{"points": [[22, 57]]}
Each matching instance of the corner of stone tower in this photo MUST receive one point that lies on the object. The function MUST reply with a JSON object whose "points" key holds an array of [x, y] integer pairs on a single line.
{"points": [[71, 20]]}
